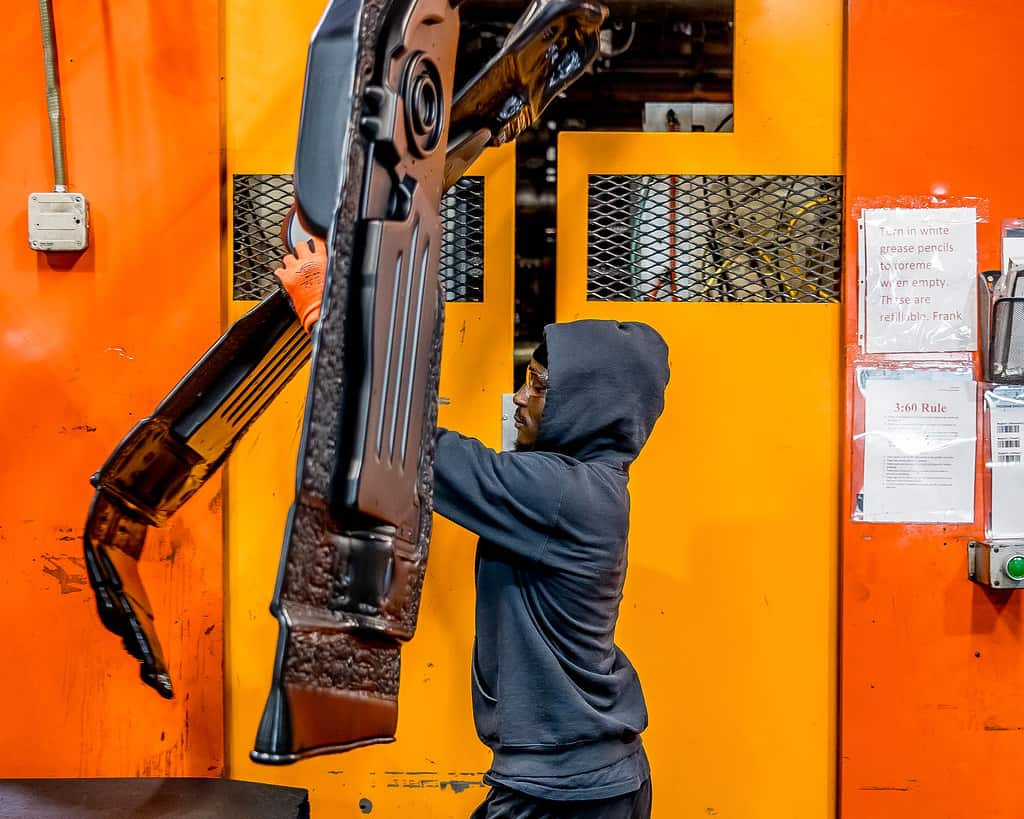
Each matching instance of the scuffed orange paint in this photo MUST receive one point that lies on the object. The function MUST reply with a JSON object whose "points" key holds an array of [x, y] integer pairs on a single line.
{"points": [[931, 724], [88, 344]]}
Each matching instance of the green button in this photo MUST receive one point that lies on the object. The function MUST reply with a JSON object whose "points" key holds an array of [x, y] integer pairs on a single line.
{"points": [[1015, 567]]}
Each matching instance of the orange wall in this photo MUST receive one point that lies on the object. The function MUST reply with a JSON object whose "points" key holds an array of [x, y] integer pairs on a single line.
{"points": [[87, 346], [931, 721]]}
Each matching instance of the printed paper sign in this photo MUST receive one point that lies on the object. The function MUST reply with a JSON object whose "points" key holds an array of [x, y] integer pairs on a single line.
{"points": [[1006, 434], [920, 291], [919, 445]]}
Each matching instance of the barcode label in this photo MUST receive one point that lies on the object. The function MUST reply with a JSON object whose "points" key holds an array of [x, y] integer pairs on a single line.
{"points": [[1008, 429], [1008, 457], [1009, 443]]}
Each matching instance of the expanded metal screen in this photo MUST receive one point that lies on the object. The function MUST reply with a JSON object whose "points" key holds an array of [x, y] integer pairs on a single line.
{"points": [[261, 202], [714, 238], [462, 240]]}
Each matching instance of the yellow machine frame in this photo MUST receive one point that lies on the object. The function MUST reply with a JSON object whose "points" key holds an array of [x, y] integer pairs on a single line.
{"points": [[730, 606], [435, 767]]}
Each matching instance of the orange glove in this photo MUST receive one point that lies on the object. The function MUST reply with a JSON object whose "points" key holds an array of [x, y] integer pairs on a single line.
{"points": [[303, 280]]}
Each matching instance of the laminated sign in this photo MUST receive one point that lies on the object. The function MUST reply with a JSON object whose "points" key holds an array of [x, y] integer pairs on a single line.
{"points": [[919, 280], [919, 446]]}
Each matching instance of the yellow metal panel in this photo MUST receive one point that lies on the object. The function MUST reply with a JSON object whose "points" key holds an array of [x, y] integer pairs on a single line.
{"points": [[264, 62], [787, 92], [434, 768], [730, 606]]}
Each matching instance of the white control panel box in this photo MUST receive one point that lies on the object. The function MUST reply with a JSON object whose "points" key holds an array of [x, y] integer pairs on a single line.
{"points": [[58, 221]]}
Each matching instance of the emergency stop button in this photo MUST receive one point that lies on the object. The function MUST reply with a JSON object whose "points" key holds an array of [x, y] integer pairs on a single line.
{"points": [[1014, 567]]}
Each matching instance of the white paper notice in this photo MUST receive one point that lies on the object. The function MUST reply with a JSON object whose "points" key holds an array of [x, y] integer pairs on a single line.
{"points": [[920, 432], [1006, 433], [920, 280]]}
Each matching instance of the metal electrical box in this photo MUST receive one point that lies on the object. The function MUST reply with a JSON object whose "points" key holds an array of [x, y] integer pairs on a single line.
{"points": [[996, 564], [58, 221]]}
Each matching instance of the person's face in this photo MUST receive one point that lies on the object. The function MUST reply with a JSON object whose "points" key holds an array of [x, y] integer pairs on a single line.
{"points": [[529, 401]]}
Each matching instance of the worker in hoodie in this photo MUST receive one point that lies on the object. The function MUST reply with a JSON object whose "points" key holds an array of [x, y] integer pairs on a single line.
{"points": [[557, 702], [555, 699]]}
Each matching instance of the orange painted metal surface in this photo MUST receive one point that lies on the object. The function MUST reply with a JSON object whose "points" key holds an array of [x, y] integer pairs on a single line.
{"points": [[931, 724], [88, 345]]}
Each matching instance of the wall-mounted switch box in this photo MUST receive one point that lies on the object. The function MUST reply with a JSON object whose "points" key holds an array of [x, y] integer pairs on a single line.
{"points": [[998, 564], [58, 221]]}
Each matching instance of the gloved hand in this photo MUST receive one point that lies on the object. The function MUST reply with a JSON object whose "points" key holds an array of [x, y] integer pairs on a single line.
{"points": [[303, 280]]}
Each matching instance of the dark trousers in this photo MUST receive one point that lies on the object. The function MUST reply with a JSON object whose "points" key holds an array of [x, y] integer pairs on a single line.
{"points": [[505, 803]]}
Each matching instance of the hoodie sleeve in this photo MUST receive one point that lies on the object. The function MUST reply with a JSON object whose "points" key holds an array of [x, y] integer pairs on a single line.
{"points": [[509, 499]]}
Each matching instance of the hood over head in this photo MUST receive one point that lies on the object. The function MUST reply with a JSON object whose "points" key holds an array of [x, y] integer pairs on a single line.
{"points": [[606, 388]]}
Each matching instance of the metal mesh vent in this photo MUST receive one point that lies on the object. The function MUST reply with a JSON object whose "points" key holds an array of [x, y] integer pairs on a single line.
{"points": [[714, 238], [261, 202], [462, 240]]}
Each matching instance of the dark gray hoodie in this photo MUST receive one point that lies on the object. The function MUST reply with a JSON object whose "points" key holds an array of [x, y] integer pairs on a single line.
{"points": [[554, 698]]}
